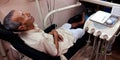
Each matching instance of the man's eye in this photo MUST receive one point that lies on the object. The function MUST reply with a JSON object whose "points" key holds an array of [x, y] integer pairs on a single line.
{"points": [[23, 15]]}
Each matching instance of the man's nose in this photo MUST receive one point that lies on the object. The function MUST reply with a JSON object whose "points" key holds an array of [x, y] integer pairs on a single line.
{"points": [[27, 13]]}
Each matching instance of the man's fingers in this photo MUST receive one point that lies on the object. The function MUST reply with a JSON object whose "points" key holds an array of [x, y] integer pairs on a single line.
{"points": [[60, 37]]}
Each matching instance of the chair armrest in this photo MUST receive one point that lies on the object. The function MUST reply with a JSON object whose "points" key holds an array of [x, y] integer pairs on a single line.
{"points": [[50, 28]]}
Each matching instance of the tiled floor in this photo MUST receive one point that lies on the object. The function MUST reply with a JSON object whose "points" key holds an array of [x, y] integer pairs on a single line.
{"points": [[115, 51], [86, 52]]}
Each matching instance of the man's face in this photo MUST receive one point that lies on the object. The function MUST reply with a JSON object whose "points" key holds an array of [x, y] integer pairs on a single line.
{"points": [[23, 17]]}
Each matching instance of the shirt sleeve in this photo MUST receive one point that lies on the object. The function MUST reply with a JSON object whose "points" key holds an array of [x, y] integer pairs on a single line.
{"points": [[49, 47]]}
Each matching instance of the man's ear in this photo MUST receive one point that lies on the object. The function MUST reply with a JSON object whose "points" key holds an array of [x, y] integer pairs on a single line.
{"points": [[22, 27]]}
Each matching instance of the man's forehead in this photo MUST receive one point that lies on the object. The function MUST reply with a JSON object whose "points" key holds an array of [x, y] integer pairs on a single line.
{"points": [[16, 15], [16, 12]]}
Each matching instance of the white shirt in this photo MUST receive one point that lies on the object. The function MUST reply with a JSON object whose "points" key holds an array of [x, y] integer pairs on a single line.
{"points": [[38, 39]]}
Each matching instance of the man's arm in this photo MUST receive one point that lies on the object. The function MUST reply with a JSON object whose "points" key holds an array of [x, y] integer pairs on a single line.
{"points": [[57, 38]]}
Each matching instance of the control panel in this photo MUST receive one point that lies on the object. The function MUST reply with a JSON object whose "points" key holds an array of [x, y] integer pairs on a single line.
{"points": [[102, 24]]}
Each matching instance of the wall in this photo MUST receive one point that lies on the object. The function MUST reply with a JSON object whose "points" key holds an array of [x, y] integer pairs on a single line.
{"points": [[30, 6]]}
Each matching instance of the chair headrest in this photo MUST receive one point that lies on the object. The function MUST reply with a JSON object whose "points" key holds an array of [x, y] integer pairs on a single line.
{"points": [[1, 26]]}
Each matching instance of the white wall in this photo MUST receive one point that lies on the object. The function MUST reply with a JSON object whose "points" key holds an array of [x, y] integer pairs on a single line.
{"points": [[30, 6]]}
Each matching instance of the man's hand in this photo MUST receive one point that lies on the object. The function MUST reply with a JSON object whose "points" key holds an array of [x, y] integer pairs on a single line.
{"points": [[56, 35], [57, 38]]}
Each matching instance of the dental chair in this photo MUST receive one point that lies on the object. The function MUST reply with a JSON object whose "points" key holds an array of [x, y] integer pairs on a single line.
{"points": [[19, 44]]}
